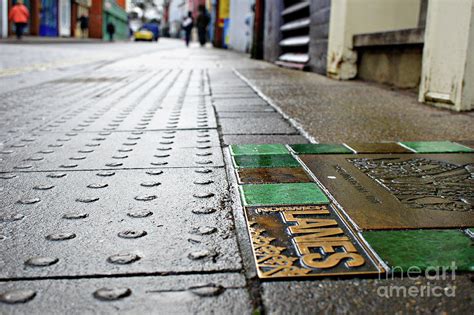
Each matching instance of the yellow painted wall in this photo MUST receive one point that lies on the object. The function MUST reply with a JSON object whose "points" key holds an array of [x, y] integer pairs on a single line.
{"points": [[350, 17]]}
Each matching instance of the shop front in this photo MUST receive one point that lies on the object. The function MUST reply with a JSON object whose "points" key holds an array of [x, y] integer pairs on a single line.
{"points": [[80, 11], [114, 14], [49, 18]]}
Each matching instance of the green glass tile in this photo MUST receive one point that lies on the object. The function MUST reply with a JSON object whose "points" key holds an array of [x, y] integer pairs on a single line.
{"points": [[423, 248], [258, 149], [436, 147], [276, 160], [320, 148], [282, 194]]}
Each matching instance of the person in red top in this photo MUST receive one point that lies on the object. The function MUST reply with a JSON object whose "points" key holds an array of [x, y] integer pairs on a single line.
{"points": [[19, 15]]}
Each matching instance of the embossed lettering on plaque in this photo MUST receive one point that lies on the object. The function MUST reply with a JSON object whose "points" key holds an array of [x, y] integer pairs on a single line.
{"points": [[305, 241]]}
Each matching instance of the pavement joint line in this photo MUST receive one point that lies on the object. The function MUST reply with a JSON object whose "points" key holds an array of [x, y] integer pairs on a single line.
{"points": [[124, 275], [169, 291], [292, 121], [244, 246], [116, 169], [347, 146], [262, 134], [324, 189]]}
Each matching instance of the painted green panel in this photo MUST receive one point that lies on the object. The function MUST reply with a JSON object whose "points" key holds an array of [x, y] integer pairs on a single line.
{"points": [[276, 160], [320, 148], [282, 194], [423, 248], [258, 149], [436, 147]]}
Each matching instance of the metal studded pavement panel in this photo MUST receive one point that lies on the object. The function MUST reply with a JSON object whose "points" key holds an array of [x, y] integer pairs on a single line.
{"points": [[120, 174]]}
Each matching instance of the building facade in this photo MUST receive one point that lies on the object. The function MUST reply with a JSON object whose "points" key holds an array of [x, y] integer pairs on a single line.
{"points": [[79, 8], [104, 12], [55, 18], [416, 44], [240, 25]]}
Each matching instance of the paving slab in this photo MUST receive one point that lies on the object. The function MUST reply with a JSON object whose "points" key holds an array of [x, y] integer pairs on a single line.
{"points": [[249, 114], [399, 191], [263, 139], [193, 294], [115, 222], [244, 108], [240, 102], [256, 126], [360, 296]]}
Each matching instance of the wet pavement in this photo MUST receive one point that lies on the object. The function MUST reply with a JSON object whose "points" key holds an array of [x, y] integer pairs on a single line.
{"points": [[120, 193]]}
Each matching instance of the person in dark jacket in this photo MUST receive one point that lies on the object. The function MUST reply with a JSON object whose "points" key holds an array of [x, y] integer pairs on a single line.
{"points": [[111, 31], [187, 25], [84, 25], [202, 22]]}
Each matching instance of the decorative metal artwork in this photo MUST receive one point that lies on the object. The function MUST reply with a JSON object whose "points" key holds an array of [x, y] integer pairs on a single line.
{"points": [[399, 191], [305, 241]]}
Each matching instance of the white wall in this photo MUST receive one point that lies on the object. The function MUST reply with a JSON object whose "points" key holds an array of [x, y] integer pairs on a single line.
{"points": [[448, 65], [3, 18], [177, 10], [64, 18], [241, 25], [350, 17]]}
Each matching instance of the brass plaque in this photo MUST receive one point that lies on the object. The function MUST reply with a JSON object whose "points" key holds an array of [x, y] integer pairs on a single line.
{"points": [[272, 175], [388, 147], [306, 241], [467, 143], [400, 190]]}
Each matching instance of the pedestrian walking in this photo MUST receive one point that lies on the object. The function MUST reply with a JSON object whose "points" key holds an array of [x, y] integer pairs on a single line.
{"points": [[188, 24], [111, 31], [19, 15], [202, 22], [84, 25]]}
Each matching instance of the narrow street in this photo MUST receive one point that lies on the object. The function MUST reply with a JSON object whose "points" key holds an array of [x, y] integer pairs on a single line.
{"points": [[124, 172]]}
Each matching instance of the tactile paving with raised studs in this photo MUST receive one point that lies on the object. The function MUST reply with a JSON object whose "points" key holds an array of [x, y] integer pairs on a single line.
{"points": [[115, 222], [112, 150], [172, 294]]}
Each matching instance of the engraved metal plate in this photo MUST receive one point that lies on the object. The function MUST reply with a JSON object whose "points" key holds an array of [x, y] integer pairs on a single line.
{"points": [[306, 241], [400, 190], [389, 147], [272, 175]]}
